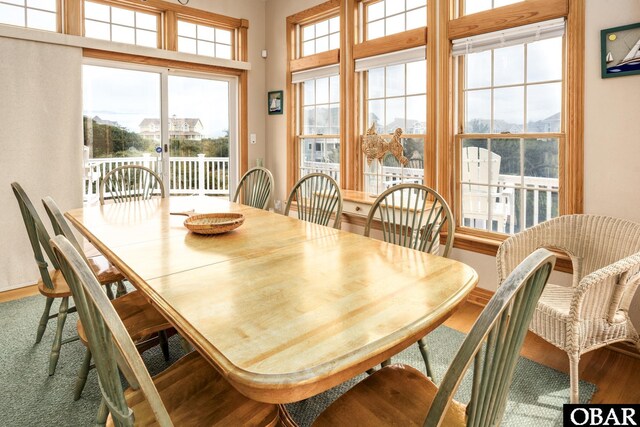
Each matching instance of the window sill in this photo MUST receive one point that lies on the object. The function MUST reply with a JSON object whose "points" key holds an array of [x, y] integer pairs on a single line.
{"points": [[487, 243]]}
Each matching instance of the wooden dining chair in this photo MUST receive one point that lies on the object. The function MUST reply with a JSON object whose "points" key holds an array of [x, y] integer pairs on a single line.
{"points": [[190, 392], [129, 183], [51, 283], [416, 217], [255, 188], [318, 198], [145, 324], [401, 395]]}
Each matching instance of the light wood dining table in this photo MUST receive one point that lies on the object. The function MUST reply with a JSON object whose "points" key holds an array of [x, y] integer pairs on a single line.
{"points": [[284, 309]]}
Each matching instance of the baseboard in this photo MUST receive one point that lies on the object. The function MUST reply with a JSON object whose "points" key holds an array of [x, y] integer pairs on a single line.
{"points": [[481, 297], [14, 294]]}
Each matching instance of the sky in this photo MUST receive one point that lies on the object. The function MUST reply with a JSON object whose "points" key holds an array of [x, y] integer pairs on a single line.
{"points": [[128, 97]]}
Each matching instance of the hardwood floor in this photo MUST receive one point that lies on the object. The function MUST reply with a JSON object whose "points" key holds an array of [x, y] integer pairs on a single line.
{"points": [[615, 374]]}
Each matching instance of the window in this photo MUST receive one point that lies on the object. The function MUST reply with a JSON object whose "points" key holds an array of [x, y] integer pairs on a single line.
{"points": [[319, 133], [394, 16], [204, 40], [37, 14], [474, 6], [512, 118], [321, 36], [102, 21], [396, 97]]}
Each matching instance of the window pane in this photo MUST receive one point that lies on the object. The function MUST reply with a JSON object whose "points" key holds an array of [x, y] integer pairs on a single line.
{"points": [[322, 120], [97, 30], [146, 38], [393, 7], [309, 92], [508, 152], [12, 15], [122, 34], [416, 114], [544, 106], [223, 51], [96, 11], [395, 115], [122, 17], [334, 85], [334, 41], [416, 77], [375, 11], [322, 44], [376, 83], [376, 114], [41, 20], [148, 22], [322, 91], [478, 70], [508, 109], [395, 24], [49, 5], [541, 159], [395, 80], [499, 3], [478, 111], [544, 60], [309, 48], [375, 30], [186, 29], [415, 3], [322, 28], [309, 120], [335, 119], [206, 48], [223, 36], [16, 2], [508, 65], [206, 33], [334, 24], [473, 6], [417, 18], [186, 45]]}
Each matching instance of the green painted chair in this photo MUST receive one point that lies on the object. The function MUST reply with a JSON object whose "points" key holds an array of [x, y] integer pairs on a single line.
{"points": [[190, 392], [145, 324], [130, 183], [416, 217], [402, 395], [318, 198], [255, 188], [52, 284]]}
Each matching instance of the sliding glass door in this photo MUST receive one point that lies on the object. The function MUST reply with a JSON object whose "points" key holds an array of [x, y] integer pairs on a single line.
{"points": [[182, 125]]}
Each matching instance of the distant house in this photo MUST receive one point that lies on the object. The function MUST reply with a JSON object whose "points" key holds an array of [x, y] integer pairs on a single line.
{"points": [[179, 128]]}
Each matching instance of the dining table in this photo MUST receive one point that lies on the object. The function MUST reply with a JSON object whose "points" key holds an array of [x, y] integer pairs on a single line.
{"points": [[283, 309]]}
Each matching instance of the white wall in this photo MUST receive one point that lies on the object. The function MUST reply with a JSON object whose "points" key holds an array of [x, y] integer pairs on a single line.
{"points": [[41, 140], [612, 125]]}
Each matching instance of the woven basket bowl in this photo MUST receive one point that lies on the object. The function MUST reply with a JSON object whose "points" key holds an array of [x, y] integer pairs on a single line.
{"points": [[214, 223]]}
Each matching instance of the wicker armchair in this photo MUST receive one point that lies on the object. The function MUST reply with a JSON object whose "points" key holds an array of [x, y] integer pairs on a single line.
{"points": [[593, 312]]}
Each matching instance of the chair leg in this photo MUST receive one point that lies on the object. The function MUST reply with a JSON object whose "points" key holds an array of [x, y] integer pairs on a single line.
{"points": [[44, 320], [103, 413], [109, 291], [422, 344], [164, 344], [57, 341], [574, 360], [121, 289], [82, 375]]}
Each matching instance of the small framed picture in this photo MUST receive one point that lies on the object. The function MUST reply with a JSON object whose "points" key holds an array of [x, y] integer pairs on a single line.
{"points": [[620, 51], [275, 102]]}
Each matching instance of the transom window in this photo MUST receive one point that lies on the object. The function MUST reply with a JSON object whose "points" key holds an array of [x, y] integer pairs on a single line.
{"points": [[38, 14], [394, 16], [204, 40], [122, 25], [321, 36], [319, 136]]}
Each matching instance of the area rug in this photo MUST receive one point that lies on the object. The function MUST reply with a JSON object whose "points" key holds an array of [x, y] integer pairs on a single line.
{"points": [[29, 397]]}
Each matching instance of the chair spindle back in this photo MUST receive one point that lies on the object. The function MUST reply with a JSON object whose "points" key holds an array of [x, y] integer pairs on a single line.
{"points": [[318, 197], [131, 183], [255, 188]]}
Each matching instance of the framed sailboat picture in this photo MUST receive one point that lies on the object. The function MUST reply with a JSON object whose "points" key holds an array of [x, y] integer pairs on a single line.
{"points": [[620, 51], [275, 102]]}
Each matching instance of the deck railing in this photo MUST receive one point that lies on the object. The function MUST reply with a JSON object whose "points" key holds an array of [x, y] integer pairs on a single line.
{"points": [[188, 175]]}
